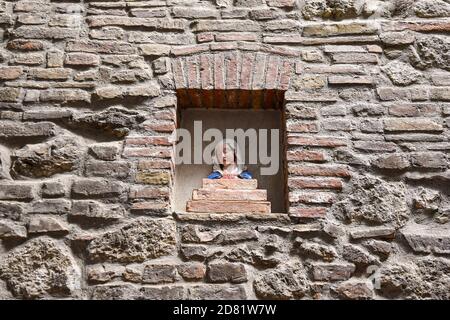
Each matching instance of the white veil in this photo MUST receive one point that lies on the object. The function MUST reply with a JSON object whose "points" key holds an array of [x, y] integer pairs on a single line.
{"points": [[217, 156]]}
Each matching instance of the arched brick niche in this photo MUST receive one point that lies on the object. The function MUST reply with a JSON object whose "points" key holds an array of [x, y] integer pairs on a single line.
{"points": [[258, 76], [233, 66]]}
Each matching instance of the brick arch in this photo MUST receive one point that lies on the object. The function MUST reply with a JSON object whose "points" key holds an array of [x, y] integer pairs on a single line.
{"points": [[233, 73]]}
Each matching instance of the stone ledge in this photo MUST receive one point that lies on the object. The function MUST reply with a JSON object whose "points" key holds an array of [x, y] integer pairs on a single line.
{"points": [[230, 217]]}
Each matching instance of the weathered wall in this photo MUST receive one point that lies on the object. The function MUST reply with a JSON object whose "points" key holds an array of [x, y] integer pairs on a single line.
{"points": [[87, 103]]}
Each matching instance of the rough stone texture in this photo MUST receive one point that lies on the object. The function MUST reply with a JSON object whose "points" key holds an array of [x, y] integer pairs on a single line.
{"points": [[433, 51], [286, 283], [353, 290], [375, 201], [89, 103], [141, 240], [63, 154], [401, 73], [432, 9], [422, 279], [41, 268]]}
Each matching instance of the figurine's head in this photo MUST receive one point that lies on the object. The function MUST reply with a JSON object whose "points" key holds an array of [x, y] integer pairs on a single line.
{"points": [[225, 153]]}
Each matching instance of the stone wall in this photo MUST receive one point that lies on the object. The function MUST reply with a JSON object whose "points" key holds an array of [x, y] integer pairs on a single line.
{"points": [[88, 103]]}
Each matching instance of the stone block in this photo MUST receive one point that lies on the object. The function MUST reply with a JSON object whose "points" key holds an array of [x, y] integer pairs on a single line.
{"points": [[332, 271], [227, 194], [211, 206], [93, 188], [18, 192], [233, 184], [43, 224], [218, 272], [216, 292], [425, 239], [159, 273], [12, 230]]}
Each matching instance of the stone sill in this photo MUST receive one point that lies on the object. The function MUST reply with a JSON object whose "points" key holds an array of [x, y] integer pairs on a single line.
{"points": [[231, 217], [284, 224]]}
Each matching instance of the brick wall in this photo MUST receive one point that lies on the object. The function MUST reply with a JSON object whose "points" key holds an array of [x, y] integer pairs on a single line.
{"points": [[88, 104]]}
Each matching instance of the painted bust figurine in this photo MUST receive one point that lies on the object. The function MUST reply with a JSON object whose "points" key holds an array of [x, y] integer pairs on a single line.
{"points": [[225, 163]]}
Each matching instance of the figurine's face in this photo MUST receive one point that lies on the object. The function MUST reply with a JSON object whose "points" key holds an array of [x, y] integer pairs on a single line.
{"points": [[228, 155]]}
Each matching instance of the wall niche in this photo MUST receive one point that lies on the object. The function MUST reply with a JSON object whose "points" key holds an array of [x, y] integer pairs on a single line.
{"points": [[257, 112]]}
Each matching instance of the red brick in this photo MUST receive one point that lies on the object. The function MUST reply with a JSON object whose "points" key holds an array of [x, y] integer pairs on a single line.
{"points": [[312, 96], [329, 142], [25, 45], [148, 152], [178, 74], [188, 50], [224, 194], [301, 127], [301, 155], [234, 13], [219, 82], [259, 74], [205, 37], [192, 72], [225, 26], [10, 73], [313, 213], [311, 183], [423, 26], [263, 14], [375, 146], [282, 51], [168, 114], [408, 124], [341, 29], [192, 271], [82, 59], [335, 69], [224, 46], [194, 13], [313, 197], [249, 46], [236, 36], [206, 71], [414, 94], [286, 72], [414, 110], [160, 126], [350, 80], [144, 141], [150, 207], [234, 184], [148, 193], [231, 64], [324, 171], [297, 39], [246, 71], [272, 72]]}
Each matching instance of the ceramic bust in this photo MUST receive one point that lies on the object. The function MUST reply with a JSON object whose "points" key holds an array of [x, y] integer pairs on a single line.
{"points": [[225, 162]]}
